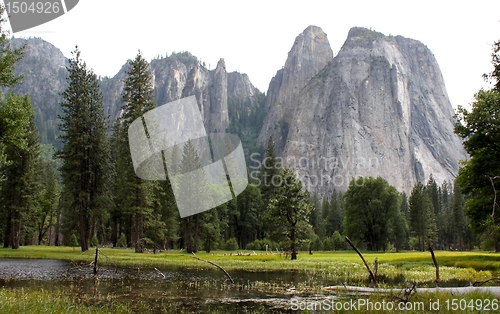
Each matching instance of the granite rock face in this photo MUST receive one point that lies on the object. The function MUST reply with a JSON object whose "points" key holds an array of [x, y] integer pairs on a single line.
{"points": [[310, 53], [44, 78], [175, 77], [380, 108]]}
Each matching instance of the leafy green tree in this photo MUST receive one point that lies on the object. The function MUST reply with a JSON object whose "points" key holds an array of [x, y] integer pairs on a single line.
{"points": [[478, 177], [369, 206], [86, 170], [422, 218], [290, 206], [13, 121]]}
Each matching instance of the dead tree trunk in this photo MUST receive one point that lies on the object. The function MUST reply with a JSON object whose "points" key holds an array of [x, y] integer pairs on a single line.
{"points": [[372, 276], [435, 265]]}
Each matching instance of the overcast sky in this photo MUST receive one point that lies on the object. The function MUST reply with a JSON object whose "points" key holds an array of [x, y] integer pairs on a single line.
{"points": [[255, 36]]}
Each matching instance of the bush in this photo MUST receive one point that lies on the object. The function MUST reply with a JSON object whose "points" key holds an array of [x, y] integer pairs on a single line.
{"points": [[122, 242], [231, 245], [338, 241], [328, 244], [261, 245], [94, 242], [73, 241], [317, 245], [254, 245]]}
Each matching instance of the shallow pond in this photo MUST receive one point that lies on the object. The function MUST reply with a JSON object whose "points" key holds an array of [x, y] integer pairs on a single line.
{"points": [[196, 289]]}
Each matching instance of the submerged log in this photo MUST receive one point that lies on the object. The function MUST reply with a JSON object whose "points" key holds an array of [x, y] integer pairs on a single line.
{"points": [[495, 290]]}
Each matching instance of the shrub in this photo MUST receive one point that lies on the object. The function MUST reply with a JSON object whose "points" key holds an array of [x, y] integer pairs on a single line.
{"points": [[73, 241], [122, 242], [231, 245], [94, 242], [317, 245]]}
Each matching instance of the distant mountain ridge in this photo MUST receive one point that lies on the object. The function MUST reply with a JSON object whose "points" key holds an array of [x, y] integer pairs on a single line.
{"points": [[379, 107], [176, 76]]}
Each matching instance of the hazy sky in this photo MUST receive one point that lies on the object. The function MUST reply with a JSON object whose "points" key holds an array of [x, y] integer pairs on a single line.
{"points": [[255, 36]]}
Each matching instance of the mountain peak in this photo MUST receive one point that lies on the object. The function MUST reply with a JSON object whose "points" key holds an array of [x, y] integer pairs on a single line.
{"points": [[309, 54], [363, 32]]}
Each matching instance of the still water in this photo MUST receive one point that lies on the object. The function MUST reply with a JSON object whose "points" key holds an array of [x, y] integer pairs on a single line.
{"points": [[194, 289]]}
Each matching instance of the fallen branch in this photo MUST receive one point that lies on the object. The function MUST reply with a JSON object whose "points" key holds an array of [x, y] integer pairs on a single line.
{"points": [[212, 263], [159, 272], [480, 283], [495, 290], [372, 276]]}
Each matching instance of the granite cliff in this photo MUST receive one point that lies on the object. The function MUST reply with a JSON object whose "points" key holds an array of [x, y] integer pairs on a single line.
{"points": [[379, 108]]}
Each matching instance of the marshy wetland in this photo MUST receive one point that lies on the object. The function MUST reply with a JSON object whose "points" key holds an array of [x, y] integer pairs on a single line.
{"points": [[61, 279]]}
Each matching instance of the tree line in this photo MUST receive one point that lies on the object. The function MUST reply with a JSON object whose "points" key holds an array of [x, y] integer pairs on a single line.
{"points": [[95, 198]]}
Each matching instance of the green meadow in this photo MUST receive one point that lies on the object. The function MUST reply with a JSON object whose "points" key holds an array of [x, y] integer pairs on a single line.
{"points": [[396, 270]]}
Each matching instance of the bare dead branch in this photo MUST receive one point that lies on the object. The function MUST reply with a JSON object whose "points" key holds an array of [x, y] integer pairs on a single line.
{"points": [[212, 263], [159, 272], [372, 276], [495, 204], [435, 264]]}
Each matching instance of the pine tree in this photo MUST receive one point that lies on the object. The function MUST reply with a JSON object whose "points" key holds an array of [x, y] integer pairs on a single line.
{"points": [[12, 122], [422, 218], [290, 206], [268, 180], [48, 203], [86, 169], [268, 172], [137, 196], [192, 183], [458, 218], [20, 196]]}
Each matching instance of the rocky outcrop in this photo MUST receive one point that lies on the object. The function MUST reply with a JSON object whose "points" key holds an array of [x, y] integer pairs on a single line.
{"points": [[177, 76], [310, 53], [380, 108], [44, 79]]}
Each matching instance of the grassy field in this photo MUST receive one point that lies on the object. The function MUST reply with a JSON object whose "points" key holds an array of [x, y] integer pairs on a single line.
{"points": [[415, 266], [14, 301]]}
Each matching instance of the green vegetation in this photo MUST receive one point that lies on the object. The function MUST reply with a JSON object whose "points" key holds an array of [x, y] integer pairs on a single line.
{"points": [[369, 205], [333, 265], [479, 176], [58, 301], [86, 170]]}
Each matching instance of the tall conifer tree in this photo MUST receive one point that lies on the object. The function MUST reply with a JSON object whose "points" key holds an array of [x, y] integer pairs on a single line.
{"points": [[86, 169]]}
